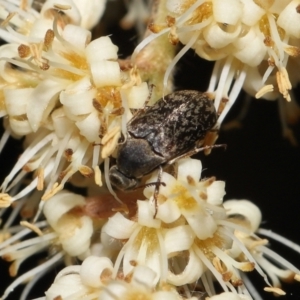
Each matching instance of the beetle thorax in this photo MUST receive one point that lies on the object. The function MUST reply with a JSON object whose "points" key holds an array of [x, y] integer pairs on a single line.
{"points": [[136, 158]]}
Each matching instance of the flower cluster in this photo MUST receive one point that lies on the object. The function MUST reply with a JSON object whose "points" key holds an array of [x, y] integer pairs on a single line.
{"points": [[254, 43], [194, 237], [67, 95], [93, 279], [70, 98]]}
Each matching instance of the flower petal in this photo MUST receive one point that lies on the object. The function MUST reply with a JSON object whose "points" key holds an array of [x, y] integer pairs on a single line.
{"points": [[106, 73], [202, 223], [60, 204], [41, 102], [191, 273], [89, 127], [77, 36], [101, 49], [246, 209], [146, 214], [93, 268], [215, 192], [119, 227], [168, 211], [189, 167], [179, 238]]}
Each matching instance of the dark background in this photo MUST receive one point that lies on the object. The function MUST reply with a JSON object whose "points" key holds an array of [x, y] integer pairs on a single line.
{"points": [[258, 164]]}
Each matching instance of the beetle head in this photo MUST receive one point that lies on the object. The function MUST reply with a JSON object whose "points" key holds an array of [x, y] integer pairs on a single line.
{"points": [[121, 181]]}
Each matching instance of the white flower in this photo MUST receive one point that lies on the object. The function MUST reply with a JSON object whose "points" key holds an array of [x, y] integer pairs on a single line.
{"points": [[200, 240], [196, 201], [73, 232], [193, 236], [67, 283], [93, 279], [276, 267], [75, 100], [75, 282], [144, 246], [78, 12], [252, 43], [187, 230], [68, 231]]}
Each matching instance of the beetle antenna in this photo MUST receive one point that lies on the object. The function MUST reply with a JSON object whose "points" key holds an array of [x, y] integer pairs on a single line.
{"points": [[195, 151]]}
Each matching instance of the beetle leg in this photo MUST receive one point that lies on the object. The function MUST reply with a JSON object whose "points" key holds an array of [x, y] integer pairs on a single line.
{"points": [[194, 151], [156, 190]]}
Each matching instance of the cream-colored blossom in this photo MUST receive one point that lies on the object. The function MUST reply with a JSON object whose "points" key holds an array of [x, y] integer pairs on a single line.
{"points": [[75, 282], [70, 99], [73, 232], [187, 224], [189, 197], [75, 100], [200, 240], [276, 267], [254, 43], [67, 231], [190, 235], [93, 279], [78, 12]]}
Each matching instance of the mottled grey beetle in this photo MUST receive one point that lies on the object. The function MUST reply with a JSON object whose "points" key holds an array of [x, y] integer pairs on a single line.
{"points": [[159, 134]]}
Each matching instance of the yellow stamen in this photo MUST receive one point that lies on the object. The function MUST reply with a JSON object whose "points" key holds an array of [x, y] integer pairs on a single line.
{"points": [[110, 141], [23, 51], [258, 243], [292, 51], [297, 277], [40, 182], [5, 200], [32, 227], [55, 189], [173, 36], [13, 269], [24, 4], [135, 78], [275, 290], [85, 171], [62, 7], [264, 90], [284, 83], [98, 179], [4, 236], [49, 37], [108, 136], [8, 18]]}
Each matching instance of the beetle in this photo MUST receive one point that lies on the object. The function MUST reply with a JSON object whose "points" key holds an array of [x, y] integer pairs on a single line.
{"points": [[160, 134]]}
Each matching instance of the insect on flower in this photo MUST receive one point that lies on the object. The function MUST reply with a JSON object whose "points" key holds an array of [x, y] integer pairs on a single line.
{"points": [[158, 135]]}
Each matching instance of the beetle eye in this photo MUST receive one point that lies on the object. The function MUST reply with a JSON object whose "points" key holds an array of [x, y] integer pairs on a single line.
{"points": [[120, 181]]}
